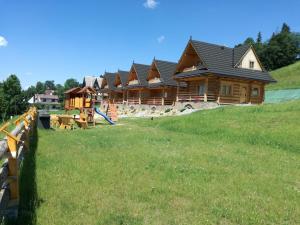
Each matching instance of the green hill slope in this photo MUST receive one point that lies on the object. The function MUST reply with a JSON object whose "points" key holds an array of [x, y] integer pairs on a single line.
{"points": [[232, 165], [287, 77]]}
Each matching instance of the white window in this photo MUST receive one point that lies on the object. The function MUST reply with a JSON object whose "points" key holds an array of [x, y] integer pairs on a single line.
{"points": [[255, 92], [226, 90], [251, 64]]}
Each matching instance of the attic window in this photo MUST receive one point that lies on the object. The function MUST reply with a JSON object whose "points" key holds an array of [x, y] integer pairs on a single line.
{"points": [[251, 64]]}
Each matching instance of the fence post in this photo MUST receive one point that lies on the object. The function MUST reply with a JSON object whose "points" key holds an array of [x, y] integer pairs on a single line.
{"points": [[12, 143]]}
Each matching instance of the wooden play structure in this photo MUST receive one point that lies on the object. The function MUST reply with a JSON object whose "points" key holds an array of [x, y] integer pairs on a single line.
{"points": [[79, 98], [82, 99]]}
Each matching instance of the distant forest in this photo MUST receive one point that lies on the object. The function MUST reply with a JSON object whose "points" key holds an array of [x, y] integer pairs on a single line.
{"points": [[281, 49]]}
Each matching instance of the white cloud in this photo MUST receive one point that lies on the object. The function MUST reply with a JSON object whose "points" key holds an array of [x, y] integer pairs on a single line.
{"points": [[151, 4], [161, 39], [3, 42]]}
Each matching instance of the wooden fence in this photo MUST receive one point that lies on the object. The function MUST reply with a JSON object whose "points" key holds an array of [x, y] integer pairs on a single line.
{"points": [[12, 149]]}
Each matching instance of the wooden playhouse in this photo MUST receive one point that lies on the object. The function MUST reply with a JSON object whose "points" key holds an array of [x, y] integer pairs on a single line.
{"points": [[79, 98]]}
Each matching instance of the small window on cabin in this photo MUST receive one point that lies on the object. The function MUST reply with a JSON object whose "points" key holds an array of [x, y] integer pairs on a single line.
{"points": [[226, 90], [255, 92], [251, 64], [202, 89], [166, 94]]}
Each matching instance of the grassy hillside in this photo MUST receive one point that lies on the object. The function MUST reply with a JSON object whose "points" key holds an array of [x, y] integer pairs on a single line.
{"points": [[233, 165], [287, 77]]}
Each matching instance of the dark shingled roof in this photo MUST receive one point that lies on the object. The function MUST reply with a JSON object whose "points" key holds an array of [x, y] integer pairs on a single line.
{"points": [[239, 52], [142, 73], [123, 77], [221, 60], [166, 70], [110, 77]]}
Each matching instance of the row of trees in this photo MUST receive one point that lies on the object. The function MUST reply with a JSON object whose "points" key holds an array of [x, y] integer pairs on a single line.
{"points": [[282, 49], [59, 89], [14, 100]]}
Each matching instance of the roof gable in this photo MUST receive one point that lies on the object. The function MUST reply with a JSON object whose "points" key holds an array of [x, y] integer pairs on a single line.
{"points": [[88, 81], [221, 60], [166, 70], [123, 76], [109, 78], [141, 73]]}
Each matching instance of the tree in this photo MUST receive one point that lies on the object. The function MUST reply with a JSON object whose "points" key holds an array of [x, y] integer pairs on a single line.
{"points": [[49, 85], [13, 96], [259, 38], [71, 83], [280, 50], [283, 49], [285, 28], [2, 102], [59, 90], [29, 93], [249, 41], [40, 87]]}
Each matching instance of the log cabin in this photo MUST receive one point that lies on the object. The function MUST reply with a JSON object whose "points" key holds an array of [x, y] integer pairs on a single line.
{"points": [[120, 87], [107, 87], [220, 74], [161, 85], [137, 83]]}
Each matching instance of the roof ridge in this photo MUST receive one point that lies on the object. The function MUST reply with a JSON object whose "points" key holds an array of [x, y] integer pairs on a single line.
{"points": [[207, 43], [159, 60]]}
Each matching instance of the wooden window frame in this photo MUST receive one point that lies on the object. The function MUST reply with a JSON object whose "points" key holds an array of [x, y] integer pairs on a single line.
{"points": [[258, 91], [251, 64], [227, 84]]}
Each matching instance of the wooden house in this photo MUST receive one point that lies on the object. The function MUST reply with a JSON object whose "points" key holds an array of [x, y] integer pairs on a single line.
{"points": [[221, 74], [137, 84], [120, 96], [78, 98], [107, 87], [93, 82], [161, 85]]}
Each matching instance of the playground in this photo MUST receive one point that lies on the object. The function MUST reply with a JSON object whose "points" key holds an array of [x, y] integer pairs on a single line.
{"points": [[235, 165], [82, 100]]}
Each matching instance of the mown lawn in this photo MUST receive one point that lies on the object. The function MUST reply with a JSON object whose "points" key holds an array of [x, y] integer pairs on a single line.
{"points": [[287, 77], [234, 165]]}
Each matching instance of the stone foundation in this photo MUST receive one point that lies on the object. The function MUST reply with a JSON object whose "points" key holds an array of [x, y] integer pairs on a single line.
{"points": [[160, 110]]}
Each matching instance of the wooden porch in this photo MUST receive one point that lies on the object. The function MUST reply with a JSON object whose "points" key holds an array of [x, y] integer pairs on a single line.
{"points": [[152, 96], [198, 90]]}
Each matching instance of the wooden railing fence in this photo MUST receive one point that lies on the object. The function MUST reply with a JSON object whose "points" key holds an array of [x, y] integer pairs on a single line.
{"points": [[12, 149]]}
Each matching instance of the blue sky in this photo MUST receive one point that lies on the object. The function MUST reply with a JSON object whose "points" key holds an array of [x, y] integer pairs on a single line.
{"points": [[56, 39]]}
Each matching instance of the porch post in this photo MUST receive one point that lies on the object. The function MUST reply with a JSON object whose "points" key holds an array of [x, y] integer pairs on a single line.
{"points": [[123, 97], [177, 92], [163, 97], [140, 97], [127, 94], [206, 89], [249, 92]]}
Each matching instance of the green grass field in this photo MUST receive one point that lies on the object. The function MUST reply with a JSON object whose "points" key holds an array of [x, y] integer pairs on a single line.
{"points": [[287, 77], [233, 165]]}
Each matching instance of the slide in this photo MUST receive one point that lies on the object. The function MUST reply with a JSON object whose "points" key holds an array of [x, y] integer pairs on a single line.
{"points": [[104, 116]]}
